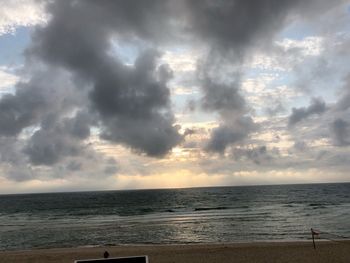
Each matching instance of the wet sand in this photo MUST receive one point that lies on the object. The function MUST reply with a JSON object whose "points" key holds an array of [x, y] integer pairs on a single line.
{"points": [[203, 253]]}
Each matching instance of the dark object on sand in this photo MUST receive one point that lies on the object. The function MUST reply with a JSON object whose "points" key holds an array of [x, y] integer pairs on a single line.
{"points": [[106, 254]]}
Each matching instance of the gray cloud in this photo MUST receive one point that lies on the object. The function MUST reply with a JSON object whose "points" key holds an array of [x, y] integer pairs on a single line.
{"points": [[110, 169], [341, 132], [223, 136], [79, 126], [237, 25], [224, 97], [276, 109], [153, 135], [81, 72], [57, 139], [234, 31], [19, 111], [344, 102], [14, 163], [258, 155], [221, 97], [132, 101], [300, 146], [9, 151], [48, 147], [46, 91], [74, 166], [316, 107], [43, 92]]}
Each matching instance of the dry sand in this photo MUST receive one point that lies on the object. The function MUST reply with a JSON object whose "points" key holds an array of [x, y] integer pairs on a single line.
{"points": [[239, 252]]}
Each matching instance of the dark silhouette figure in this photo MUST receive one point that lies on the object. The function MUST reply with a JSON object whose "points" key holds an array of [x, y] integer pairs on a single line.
{"points": [[106, 254]]}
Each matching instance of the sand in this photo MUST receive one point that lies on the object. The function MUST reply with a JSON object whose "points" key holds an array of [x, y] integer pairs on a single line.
{"points": [[238, 252]]}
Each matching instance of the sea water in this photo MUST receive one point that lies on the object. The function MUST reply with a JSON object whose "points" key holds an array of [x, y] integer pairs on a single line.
{"points": [[173, 216]]}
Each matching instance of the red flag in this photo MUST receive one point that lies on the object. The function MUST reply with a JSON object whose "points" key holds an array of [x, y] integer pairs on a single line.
{"points": [[315, 232]]}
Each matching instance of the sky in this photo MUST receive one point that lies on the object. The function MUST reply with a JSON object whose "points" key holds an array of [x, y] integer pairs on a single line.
{"points": [[104, 95]]}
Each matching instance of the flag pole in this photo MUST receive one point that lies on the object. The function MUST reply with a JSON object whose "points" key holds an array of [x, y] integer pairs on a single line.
{"points": [[313, 238]]}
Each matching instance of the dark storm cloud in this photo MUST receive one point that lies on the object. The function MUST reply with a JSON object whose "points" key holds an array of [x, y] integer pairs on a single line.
{"points": [[42, 101], [19, 111], [341, 132], [234, 30], [223, 136], [225, 98], [44, 93], [58, 139], [132, 101], [79, 126], [316, 107], [257, 155], [9, 153], [15, 164], [48, 147], [344, 102], [221, 97], [154, 135], [237, 25], [135, 107]]}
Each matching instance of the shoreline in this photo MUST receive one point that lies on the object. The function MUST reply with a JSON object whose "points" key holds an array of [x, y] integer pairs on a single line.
{"points": [[234, 243], [285, 251]]}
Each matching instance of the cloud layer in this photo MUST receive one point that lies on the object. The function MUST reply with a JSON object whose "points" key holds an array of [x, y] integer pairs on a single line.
{"points": [[99, 73]]}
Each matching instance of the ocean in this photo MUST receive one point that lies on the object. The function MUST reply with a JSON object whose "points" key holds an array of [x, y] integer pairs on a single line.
{"points": [[174, 216]]}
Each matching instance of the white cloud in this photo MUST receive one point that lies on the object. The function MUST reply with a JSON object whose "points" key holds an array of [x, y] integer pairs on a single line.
{"points": [[259, 84], [182, 90], [266, 62], [181, 60], [309, 46], [289, 52], [7, 80], [15, 13], [261, 92]]}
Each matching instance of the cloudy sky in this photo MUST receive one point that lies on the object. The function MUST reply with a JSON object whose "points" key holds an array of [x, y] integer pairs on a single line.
{"points": [[150, 94]]}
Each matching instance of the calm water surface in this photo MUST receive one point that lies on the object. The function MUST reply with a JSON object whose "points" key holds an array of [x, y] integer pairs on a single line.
{"points": [[197, 215]]}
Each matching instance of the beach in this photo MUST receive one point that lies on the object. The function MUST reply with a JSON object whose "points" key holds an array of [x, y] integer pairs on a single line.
{"points": [[202, 253], [220, 224]]}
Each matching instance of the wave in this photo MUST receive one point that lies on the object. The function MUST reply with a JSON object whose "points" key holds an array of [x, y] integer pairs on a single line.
{"points": [[211, 208], [317, 206], [147, 210]]}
